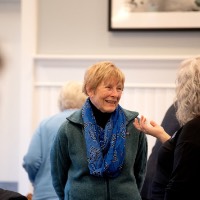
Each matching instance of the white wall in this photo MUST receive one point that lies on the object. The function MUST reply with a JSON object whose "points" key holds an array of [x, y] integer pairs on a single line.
{"points": [[59, 39], [150, 95], [9, 115]]}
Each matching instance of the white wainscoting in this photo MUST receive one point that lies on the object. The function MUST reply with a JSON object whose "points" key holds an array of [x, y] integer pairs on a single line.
{"points": [[149, 89], [149, 86]]}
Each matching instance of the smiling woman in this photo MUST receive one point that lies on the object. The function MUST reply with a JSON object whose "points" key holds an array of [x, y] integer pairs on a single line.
{"points": [[98, 146], [104, 86]]}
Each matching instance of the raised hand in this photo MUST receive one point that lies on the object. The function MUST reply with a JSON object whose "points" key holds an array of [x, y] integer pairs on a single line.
{"points": [[151, 128]]}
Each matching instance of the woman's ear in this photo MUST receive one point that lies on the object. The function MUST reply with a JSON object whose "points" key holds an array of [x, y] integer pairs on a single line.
{"points": [[90, 91]]}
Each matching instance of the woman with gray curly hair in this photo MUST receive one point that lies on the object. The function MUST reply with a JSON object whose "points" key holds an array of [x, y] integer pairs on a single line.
{"points": [[177, 172]]}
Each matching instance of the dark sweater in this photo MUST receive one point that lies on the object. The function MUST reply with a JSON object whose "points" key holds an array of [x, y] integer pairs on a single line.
{"points": [[171, 125], [177, 173]]}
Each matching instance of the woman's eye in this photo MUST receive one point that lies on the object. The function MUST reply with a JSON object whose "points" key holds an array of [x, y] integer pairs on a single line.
{"points": [[119, 89]]}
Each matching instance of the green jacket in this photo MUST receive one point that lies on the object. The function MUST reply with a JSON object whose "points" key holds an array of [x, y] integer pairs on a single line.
{"points": [[69, 166]]}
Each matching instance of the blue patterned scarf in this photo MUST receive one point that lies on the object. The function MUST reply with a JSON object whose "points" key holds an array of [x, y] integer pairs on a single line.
{"points": [[105, 147]]}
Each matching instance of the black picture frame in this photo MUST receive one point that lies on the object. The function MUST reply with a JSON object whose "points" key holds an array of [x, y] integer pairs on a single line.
{"points": [[121, 18]]}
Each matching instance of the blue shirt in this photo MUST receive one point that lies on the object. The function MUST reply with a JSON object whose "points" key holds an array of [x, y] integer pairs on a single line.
{"points": [[37, 160]]}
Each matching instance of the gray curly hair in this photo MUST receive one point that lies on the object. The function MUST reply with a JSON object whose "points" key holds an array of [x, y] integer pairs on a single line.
{"points": [[188, 90]]}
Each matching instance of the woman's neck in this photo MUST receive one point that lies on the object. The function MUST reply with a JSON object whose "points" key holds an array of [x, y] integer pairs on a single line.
{"points": [[101, 118]]}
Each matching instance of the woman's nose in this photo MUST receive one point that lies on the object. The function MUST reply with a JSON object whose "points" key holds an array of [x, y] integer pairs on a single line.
{"points": [[115, 92]]}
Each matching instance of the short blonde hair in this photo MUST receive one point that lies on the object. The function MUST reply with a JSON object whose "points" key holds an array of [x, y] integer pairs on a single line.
{"points": [[101, 71], [188, 90], [71, 96]]}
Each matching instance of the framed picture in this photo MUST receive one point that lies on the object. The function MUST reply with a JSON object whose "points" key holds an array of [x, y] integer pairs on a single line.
{"points": [[153, 15]]}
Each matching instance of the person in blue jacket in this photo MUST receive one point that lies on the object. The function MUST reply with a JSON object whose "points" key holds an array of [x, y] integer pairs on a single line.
{"points": [[36, 162], [98, 153]]}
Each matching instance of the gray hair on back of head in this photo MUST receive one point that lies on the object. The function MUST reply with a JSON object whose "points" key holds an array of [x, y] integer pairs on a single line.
{"points": [[188, 90], [71, 96]]}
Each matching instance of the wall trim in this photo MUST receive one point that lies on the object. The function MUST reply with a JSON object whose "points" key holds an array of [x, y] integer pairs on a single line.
{"points": [[141, 62], [116, 57], [133, 61], [129, 85]]}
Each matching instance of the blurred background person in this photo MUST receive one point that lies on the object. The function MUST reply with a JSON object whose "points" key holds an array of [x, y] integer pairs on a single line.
{"points": [[1, 71], [171, 125], [1, 63], [8, 194], [36, 162]]}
